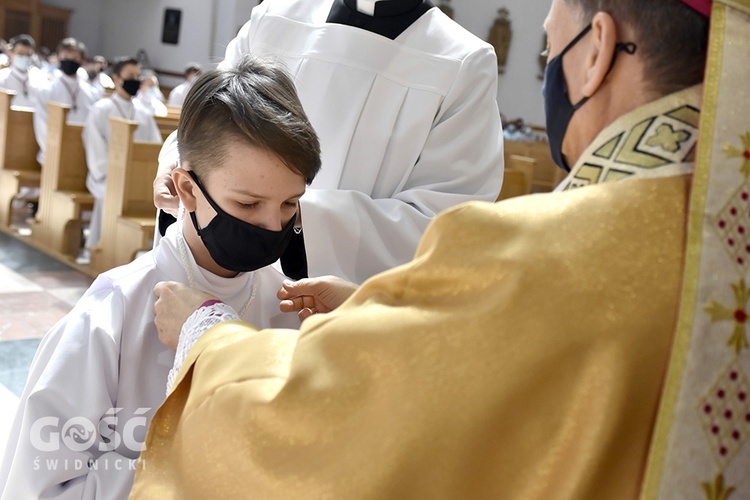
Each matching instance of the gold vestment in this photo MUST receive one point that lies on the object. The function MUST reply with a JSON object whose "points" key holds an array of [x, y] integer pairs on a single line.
{"points": [[520, 355]]}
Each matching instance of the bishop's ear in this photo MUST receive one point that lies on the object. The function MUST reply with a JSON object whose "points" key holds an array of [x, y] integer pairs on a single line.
{"points": [[186, 188], [599, 59]]}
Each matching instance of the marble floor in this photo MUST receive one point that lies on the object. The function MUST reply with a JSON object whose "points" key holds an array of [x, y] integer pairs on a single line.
{"points": [[36, 291]]}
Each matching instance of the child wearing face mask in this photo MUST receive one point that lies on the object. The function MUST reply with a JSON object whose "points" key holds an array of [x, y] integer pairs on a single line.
{"points": [[126, 74], [66, 87], [100, 81], [177, 96], [150, 95], [247, 153], [22, 77]]}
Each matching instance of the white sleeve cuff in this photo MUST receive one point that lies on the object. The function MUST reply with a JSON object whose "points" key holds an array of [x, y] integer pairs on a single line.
{"points": [[198, 322]]}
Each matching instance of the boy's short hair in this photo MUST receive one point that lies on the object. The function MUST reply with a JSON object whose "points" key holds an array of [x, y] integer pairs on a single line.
{"points": [[193, 67], [25, 40], [121, 62], [254, 101], [71, 43]]}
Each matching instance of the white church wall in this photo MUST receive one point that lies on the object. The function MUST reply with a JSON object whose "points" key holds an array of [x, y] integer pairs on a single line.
{"points": [[230, 16], [137, 24], [85, 21], [519, 90]]}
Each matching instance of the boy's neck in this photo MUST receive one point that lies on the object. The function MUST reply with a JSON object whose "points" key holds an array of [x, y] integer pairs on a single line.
{"points": [[122, 94], [200, 252]]}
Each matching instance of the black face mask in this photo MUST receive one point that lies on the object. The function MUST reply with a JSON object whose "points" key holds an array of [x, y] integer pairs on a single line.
{"points": [[557, 106], [69, 66], [237, 245], [131, 86]]}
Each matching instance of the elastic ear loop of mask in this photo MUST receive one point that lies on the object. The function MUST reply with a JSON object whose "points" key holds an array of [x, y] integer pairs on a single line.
{"points": [[181, 209]]}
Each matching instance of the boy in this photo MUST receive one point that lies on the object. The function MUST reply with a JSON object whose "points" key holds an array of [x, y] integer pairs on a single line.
{"points": [[150, 95], [22, 76], [99, 80], [177, 96], [247, 152], [126, 74], [66, 88]]}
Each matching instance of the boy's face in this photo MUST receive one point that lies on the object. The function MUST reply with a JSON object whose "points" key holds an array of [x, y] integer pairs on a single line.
{"points": [[252, 185], [125, 88], [69, 54], [21, 50], [130, 72]]}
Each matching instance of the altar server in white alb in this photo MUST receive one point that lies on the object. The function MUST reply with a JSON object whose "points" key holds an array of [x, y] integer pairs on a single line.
{"points": [[126, 74], [405, 103], [22, 77], [177, 96], [247, 153], [66, 87]]}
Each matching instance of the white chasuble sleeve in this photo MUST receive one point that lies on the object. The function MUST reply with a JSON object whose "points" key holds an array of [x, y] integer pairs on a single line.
{"points": [[64, 443]]}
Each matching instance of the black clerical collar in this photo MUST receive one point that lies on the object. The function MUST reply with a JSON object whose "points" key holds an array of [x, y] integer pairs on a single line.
{"points": [[390, 20]]}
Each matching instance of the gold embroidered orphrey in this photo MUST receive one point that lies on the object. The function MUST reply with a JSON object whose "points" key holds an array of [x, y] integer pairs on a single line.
{"points": [[700, 445], [656, 140]]}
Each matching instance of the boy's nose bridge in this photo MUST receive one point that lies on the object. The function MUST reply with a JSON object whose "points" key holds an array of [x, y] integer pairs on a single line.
{"points": [[271, 219]]}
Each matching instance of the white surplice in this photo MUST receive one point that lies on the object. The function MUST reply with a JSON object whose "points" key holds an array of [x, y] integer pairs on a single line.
{"points": [[408, 127], [96, 132], [69, 90], [105, 357], [152, 103], [23, 83], [178, 94]]}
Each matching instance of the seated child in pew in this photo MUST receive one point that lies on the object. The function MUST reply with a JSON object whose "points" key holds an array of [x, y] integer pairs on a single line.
{"points": [[22, 77], [151, 95], [247, 152], [126, 74], [66, 87]]}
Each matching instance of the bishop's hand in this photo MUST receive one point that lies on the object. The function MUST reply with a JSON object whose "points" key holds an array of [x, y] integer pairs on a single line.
{"points": [[175, 302], [314, 295]]}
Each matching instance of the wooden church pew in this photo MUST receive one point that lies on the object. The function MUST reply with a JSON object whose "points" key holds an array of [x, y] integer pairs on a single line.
{"points": [[63, 197], [18, 150], [129, 216], [518, 177], [547, 175], [168, 124]]}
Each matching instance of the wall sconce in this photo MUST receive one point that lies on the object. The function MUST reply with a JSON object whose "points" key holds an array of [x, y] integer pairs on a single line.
{"points": [[500, 36]]}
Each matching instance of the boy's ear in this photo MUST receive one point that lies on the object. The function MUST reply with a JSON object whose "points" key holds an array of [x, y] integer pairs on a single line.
{"points": [[185, 188]]}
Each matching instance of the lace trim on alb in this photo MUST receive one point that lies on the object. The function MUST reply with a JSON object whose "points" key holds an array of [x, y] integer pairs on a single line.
{"points": [[198, 322]]}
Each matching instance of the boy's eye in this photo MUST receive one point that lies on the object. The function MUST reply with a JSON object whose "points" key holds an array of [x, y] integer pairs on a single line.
{"points": [[247, 205], [290, 204]]}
